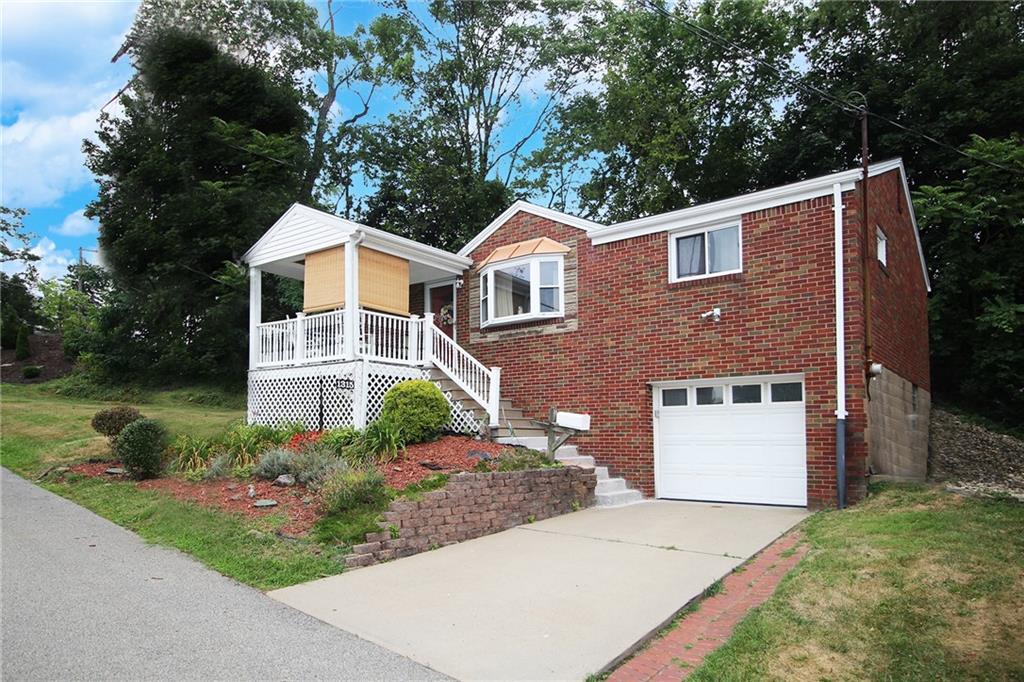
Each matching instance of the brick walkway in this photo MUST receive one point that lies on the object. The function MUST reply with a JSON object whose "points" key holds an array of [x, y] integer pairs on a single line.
{"points": [[682, 650]]}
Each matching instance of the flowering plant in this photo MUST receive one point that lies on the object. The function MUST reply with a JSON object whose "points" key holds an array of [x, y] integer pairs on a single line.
{"points": [[301, 440]]}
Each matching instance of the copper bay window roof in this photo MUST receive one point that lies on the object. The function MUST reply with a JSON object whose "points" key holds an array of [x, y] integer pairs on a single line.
{"points": [[530, 247]]}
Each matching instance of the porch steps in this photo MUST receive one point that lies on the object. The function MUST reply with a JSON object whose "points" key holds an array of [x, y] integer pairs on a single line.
{"points": [[610, 492]]}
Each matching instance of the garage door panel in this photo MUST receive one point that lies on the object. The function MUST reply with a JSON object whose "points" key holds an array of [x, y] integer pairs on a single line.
{"points": [[753, 452]]}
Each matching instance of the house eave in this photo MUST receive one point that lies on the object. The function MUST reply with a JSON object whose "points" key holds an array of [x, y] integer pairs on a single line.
{"points": [[583, 224]]}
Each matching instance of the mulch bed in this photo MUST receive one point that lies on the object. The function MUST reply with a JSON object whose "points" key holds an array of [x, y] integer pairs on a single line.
{"points": [[47, 352], [448, 454]]}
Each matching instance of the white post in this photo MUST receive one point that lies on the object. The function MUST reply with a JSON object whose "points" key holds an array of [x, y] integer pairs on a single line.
{"points": [[428, 338], [413, 339], [494, 396], [255, 315], [360, 400], [300, 338], [351, 322]]}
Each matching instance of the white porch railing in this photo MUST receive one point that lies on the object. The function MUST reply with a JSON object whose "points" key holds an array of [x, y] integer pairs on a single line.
{"points": [[309, 339]]}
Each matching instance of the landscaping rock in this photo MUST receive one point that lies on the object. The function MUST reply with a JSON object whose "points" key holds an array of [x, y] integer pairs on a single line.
{"points": [[264, 503], [479, 454], [974, 460], [115, 471], [235, 498], [252, 490], [433, 466], [284, 481]]}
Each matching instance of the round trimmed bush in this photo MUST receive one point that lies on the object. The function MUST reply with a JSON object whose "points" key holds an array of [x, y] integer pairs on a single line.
{"points": [[140, 447], [31, 371], [417, 408], [348, 489], [111, 421]]}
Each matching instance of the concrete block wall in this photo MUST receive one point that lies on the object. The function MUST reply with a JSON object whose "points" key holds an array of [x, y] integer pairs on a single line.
{"points": [[472, 505], [898, 416]]}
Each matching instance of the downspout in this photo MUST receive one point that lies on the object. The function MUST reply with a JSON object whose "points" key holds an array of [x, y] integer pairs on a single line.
{"points": [[837, 213]]}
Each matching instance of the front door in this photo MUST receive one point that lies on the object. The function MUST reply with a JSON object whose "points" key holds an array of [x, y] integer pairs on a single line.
{"points": [[441, 302]]}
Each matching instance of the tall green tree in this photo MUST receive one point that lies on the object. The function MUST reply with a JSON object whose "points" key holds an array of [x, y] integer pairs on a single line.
{"points": [[486, 78], [674, 119], [973, 229], [207, 153], [949, 69], [14, 240]]}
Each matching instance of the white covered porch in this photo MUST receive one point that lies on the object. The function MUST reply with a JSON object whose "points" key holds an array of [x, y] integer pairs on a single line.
{"points": [[355, 329]]}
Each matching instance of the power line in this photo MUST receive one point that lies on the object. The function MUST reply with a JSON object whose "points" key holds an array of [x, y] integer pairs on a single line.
{"points": [[796, 80]]}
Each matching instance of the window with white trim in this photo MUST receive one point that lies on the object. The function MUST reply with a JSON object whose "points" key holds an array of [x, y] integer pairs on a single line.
{"points": [[707, 252], [522, 289], [881, 246]]}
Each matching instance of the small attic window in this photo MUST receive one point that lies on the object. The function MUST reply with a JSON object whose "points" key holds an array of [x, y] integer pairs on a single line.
{"points": [[881, 246]]}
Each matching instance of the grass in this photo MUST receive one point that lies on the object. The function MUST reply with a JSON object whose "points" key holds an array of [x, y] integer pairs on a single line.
{"points": [[913, 584], [41, 430]]}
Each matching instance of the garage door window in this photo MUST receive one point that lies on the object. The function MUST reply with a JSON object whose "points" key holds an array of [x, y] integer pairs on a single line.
{"points": [[789, 392], [710, 395], [749, 393], [673, 397]]}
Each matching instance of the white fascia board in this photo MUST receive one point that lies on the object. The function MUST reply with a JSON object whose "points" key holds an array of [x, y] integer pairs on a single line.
{"points": [[411, 250], [733, 207], [525, 206], [913, 221]]}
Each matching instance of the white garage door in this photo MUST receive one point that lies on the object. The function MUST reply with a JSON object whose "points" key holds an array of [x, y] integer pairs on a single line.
{"points": [[733, 440]]}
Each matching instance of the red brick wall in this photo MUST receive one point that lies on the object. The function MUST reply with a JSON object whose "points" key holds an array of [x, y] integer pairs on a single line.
{"points": [[899, 297], [632, 327], [417, 306]]}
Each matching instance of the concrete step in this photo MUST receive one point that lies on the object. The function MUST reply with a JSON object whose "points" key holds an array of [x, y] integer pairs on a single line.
{"points": [[602, 473], [577, 461], [527, 440], [619, 499], [610, 485]]}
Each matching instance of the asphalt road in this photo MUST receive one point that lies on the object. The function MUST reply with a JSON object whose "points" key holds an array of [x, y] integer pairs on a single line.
{"points": [[84, 599]]}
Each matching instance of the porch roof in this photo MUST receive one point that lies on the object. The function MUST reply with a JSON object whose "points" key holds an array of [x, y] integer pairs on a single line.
{"points": [[303, 230]]}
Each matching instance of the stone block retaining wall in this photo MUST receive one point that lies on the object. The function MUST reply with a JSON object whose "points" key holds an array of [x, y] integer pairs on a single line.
{"points": [[472, 505]]}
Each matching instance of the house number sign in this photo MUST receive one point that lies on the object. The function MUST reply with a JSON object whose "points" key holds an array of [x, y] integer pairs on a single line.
{"points": [[346, 384]]}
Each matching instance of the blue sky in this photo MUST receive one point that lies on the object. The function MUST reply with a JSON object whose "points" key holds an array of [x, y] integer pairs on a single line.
{"points": [[56, 75]]}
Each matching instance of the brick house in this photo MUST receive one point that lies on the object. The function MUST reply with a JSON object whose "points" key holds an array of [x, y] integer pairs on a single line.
{"points": [[706, 343]]}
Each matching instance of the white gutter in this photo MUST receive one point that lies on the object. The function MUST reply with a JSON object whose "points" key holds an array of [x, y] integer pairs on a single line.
{"points": [[837, 211]]}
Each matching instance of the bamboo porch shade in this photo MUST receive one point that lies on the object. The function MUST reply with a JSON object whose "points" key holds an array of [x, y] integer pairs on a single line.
{"points": [[383, 281]]}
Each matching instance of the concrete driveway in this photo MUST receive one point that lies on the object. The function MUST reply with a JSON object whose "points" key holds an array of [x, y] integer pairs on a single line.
{"points": [[554, 600]]}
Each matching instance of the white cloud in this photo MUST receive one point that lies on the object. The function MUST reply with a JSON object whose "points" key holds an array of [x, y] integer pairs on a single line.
{"points": [[53, 262], [76, 225], [43, 159]]}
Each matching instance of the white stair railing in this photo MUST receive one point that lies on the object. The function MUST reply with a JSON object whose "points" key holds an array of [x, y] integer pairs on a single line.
{"points": [[481, 383]]}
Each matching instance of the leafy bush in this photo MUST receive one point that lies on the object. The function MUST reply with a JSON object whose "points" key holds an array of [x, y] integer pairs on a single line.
{"points": [[112, 421], [31, 371], [140, 447], [219, 467], [89, 381], [339, 439], [192, 455], [243, 444], [418, 408], [348, 489], [10, 324], [380, 442], [315, 463], [275, 462], [518, 459], [22, 350]]}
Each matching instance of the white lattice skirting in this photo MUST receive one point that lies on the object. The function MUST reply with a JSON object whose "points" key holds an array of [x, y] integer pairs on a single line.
{"points": [[337, 394]]}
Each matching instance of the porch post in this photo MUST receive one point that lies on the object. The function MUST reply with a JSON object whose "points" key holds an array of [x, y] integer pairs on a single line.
{"points": [[300, 338], [428, 339], [255, 315], [351, 336]]}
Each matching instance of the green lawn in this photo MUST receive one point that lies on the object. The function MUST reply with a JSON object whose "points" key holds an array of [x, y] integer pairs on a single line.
{"points": [[40, 430], [913, 584]]}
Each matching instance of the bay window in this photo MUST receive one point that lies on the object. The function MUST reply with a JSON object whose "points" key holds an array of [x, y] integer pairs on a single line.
{"points": [[522, 289]]}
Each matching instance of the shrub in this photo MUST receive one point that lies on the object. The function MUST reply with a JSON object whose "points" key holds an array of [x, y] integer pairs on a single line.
{"points": [[112, 421], [219, 467], [315, 463], [275, 462], [243, 444], [10, 324], [339, 439], [350, 488], [192, 455], [31, 371], [518, 459], [380, 442], [22, 350], [418, 408], [140, 447]]}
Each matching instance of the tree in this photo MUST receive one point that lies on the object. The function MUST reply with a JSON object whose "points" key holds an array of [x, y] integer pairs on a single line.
{"points": [[973, 229], [675, 119], [15, 239], [440, 166], [950, 69], [208, 152], [22, 350]]}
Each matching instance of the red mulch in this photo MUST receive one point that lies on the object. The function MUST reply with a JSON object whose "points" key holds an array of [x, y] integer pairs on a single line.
{"points": [[449, 453], [229, 495]]}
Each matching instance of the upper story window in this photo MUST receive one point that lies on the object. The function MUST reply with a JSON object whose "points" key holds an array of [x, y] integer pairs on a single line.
{"points": [[707, 252], [881, 246], [522, 289]]}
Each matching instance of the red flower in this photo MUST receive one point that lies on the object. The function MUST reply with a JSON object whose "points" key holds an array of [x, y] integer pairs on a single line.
{"points": [[300, 440]]}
